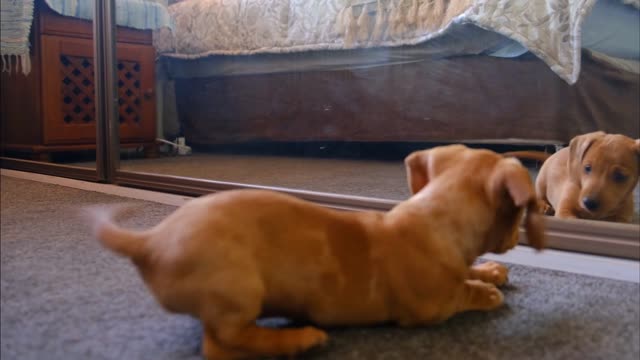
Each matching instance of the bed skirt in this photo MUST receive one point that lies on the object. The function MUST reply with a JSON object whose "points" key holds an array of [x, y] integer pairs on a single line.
{"points": [[437, 100]]}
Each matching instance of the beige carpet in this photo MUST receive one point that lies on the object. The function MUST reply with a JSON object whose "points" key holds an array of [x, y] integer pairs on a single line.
{"points": [[348, 176], [381, 179]]}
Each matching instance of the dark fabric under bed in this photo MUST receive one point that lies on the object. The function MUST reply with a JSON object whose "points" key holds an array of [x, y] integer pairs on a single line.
{"points": [[461, 98]]}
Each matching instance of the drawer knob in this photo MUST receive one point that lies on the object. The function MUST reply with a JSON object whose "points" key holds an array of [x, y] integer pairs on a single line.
{"points": [[148, 94]]}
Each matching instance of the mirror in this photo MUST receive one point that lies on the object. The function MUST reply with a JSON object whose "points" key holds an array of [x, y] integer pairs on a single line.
{"points": [[268, 99], [310, 96], [48, 96]]}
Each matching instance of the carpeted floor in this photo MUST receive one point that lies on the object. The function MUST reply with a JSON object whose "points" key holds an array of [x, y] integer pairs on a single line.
{"points": [[64, 297], [376, 178]]}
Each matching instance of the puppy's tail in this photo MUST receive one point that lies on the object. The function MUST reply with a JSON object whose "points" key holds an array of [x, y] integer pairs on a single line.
{"points": [[127, 243], [529, 155]]}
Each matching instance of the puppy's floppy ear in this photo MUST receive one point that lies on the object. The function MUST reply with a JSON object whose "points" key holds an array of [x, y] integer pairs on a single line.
{"points": [[417, 165], [534, 226], [511, 177], [578, 147]]}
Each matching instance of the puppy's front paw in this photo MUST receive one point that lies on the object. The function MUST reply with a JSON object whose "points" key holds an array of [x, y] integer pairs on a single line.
{"points": [[546, 208], [491, 272], [482, 296]]}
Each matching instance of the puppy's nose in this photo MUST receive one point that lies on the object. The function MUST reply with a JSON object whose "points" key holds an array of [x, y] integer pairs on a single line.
{"points": [[590, 203]]}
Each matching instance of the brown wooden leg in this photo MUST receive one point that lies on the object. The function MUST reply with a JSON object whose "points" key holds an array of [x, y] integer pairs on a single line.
{"points": [[151, 151], [41, 156]]}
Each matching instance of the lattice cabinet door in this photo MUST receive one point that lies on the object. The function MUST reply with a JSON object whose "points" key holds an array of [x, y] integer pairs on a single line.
{"points": [[69, 94]]}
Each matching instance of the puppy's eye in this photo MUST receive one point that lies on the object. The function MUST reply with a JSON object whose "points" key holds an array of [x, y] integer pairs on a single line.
{"points": [[619, 177], [587, 169]]}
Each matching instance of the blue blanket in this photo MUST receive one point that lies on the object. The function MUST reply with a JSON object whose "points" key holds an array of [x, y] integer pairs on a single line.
{"points": [[17, 17], [138, 14]]}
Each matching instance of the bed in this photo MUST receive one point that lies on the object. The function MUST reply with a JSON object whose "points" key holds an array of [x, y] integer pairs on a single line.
{"points": [[399, 70]]}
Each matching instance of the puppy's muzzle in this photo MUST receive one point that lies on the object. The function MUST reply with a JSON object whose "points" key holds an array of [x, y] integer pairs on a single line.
{"points": [[590, 204]]}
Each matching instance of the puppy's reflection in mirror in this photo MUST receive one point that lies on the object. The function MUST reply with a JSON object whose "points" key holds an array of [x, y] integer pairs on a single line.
{"points": [[594, 178]]}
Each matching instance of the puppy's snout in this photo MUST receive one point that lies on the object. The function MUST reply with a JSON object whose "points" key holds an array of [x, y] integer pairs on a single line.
{"points": [[590, 204]]}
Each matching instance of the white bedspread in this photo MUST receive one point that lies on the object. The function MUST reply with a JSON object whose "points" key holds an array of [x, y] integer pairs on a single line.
{"points": [[551, 29]]}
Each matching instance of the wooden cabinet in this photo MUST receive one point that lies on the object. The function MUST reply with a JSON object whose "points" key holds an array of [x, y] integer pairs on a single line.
{"points": [[53, 108]]}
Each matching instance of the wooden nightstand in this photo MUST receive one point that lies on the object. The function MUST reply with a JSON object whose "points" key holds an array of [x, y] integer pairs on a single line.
{"points": [[52, 109]]}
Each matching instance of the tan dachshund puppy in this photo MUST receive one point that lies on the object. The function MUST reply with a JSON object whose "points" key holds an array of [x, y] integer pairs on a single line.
{"points": [[593, 178], [232, 257]]}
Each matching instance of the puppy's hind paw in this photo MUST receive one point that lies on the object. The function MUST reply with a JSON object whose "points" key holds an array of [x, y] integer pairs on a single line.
{"points": [[311, 337]]}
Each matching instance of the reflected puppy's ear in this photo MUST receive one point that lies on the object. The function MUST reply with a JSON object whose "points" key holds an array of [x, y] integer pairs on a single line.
{"points": [[417, 166], [512, 178], [578, 147]]}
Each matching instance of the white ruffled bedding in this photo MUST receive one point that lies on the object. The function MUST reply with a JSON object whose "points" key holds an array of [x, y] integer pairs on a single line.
{"points": [[551, 29]]}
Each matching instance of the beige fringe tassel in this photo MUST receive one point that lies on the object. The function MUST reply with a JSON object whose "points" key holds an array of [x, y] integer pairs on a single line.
{"points": [[393, 18], [364, 24], [342, 22], [22, 61], [396, 20], [379, 28], [431, 13], [412, 14], [351, 28]]}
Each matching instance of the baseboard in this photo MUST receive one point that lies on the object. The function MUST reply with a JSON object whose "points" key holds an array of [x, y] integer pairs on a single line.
{"points": [[138, 194]]}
